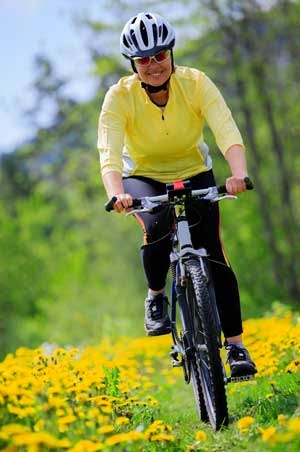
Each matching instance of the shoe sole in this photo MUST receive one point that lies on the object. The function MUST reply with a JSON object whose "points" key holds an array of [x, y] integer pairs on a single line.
{"points": [[158, 332], [240, 371]]}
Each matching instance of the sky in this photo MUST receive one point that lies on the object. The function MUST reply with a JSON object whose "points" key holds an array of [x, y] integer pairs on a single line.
{"points": [[28, 27]]}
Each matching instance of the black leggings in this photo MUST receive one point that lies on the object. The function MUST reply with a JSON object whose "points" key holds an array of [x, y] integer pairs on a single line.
{"points": [[204, 224]]}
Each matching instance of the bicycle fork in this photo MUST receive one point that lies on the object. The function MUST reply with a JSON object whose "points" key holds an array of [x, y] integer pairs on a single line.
{"points": [[183, 347]]}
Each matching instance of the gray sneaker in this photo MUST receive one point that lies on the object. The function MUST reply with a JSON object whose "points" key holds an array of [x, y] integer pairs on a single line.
{"points": [[238, 358], [157, 321]]}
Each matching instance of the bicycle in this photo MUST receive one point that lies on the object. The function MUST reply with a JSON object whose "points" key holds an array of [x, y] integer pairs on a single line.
{"points": [[197, 335]]}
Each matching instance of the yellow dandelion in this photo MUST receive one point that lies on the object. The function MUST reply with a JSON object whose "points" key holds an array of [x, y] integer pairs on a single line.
{"points": [[106, 409], [86, 446], [171, 380], [4, 436], [21, 413], [106, 429], [89, 423], [245, 423], [162, 437], [268, 434], [151, 400], [32, 438], [281, 419], [200, 435], [60, 412], [294, 425], [15, 429], [124, 437], [67, 419], [122, 420]]}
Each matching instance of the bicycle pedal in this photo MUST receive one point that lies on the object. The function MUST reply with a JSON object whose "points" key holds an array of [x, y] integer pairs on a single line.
{"points": [[240, 379], [176, 363], [174, 352]]}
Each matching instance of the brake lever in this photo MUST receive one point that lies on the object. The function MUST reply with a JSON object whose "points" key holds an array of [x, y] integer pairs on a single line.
{"points": [[221, 198], [148, 206], [133, 211]]}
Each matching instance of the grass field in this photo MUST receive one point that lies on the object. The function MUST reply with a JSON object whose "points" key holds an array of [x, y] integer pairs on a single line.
{"points": [[125, 396]]}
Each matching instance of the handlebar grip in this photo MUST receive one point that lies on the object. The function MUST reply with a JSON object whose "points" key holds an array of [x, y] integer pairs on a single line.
{"points": [[248, 182], [221, 189], [109, 205]]}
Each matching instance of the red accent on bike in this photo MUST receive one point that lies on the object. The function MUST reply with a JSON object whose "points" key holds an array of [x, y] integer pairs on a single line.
{"points": [[178, 185]]}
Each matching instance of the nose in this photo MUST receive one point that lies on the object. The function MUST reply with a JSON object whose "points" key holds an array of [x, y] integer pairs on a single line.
{"points": [[153, 63], [152, 60]]}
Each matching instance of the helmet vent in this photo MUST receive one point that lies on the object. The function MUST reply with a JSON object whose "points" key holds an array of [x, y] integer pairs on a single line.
{"points": [[154, 29], [133, 38], [144, 33], [125, 42], [164, 32]]}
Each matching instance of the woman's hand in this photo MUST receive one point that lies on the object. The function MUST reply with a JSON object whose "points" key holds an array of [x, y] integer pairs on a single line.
{"points": [[124, 201], [235, 185]]}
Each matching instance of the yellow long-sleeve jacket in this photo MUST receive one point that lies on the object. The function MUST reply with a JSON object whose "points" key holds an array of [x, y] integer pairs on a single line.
{"points": [[136, 137]]}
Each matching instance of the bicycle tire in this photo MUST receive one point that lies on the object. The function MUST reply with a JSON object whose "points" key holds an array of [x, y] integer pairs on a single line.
{"points": [[198, 393], [208, 363], [191, 370]]}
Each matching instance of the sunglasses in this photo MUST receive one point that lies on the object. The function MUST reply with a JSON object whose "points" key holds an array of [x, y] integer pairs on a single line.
{"points": [[158, 58]]}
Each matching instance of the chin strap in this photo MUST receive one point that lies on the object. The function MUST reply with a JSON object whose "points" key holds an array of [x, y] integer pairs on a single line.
{"points": [[156, 89]]}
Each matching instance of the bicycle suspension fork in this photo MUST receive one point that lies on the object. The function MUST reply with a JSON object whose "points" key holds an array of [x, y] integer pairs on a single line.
{"points": [[179, 277], [179, 296]]}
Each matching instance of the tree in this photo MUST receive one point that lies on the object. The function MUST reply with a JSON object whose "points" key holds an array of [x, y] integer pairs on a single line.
{"points": [[258, 55]]}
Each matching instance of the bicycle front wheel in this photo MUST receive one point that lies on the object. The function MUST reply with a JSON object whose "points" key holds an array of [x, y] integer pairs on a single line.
{"points": [[208, 363]]}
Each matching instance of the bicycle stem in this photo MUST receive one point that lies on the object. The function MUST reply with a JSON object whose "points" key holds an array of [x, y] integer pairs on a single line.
{"points": [[183, 231]]}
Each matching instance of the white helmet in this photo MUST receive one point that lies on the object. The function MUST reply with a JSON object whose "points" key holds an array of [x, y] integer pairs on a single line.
{"points": [[146, 34]]}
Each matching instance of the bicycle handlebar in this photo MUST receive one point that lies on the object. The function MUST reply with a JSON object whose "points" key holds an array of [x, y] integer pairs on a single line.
{"points": [[137, 202]]}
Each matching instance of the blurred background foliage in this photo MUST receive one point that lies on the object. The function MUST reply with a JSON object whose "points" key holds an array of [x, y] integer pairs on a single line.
{"points": [[69, 272]]}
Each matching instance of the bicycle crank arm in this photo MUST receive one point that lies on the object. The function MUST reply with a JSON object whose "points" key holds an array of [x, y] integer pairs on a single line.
{"points": [[174, 354]]}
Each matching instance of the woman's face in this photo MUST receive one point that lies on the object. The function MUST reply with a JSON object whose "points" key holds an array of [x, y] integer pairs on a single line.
{"points": [[155, 74]]}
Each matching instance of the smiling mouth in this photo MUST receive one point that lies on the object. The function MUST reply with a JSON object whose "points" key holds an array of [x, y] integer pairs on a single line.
{"points": [[155, 73]]}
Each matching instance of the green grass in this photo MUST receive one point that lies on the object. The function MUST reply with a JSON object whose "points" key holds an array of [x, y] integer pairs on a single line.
{"points": [[263, 399]]}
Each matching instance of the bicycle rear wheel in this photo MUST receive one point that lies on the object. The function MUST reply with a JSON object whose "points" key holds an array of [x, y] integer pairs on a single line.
{"points": [[208, 364]]}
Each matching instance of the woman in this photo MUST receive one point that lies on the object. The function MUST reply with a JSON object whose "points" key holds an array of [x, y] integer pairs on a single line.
{"points": [[150, 133]]}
